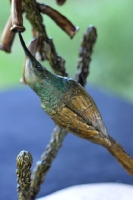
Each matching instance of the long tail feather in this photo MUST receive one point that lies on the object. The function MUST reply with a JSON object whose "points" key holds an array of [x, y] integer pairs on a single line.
{"points": [[122, 157]]}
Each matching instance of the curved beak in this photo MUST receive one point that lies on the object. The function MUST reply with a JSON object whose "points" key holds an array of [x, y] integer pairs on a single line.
{"points": [[36, 64], [27, 52]]}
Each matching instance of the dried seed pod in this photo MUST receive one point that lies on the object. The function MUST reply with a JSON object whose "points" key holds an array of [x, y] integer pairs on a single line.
{"points": [[59, 19], [24, 161], [16, 12], [85, 52], [7, 37], [60, 2]]}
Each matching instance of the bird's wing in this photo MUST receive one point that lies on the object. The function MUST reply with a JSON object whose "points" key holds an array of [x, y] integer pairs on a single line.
{"points": [[85, 107], [72, 122]]}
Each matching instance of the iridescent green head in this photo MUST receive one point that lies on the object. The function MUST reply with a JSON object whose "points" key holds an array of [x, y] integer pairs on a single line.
{"points": [[36, 76]]}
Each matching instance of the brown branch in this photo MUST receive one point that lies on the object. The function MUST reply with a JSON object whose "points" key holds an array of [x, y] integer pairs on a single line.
{"points": [[16, 13], [59, 19], [7, 37]]}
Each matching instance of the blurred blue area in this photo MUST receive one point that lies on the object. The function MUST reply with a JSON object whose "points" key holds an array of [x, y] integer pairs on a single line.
{"points": [[24, 125]]}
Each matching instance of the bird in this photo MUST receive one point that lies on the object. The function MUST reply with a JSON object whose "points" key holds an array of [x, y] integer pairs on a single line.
{"points": [[71, 107]]}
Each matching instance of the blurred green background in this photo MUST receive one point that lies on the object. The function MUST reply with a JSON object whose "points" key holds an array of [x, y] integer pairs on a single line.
{"points": [[112, 60]]}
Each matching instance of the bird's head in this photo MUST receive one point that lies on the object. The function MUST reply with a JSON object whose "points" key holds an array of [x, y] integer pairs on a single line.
{"points": [[33, 72]]}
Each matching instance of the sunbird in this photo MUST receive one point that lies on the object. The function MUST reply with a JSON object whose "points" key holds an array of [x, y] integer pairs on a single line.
{"points": [[71, 107]]}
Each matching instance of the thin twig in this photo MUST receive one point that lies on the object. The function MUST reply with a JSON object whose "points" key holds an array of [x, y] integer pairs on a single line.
{"points": [[59, 19]]}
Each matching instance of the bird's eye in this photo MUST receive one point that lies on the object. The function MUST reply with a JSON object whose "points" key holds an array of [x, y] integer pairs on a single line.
{"points": [[39, 67]]}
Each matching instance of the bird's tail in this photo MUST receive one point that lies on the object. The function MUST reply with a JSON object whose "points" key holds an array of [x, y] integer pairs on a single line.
{"points": [[122, 157]]}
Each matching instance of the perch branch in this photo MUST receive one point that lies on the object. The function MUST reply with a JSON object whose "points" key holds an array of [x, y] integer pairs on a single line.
{"points": [[47, 158], [24, 162]]}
